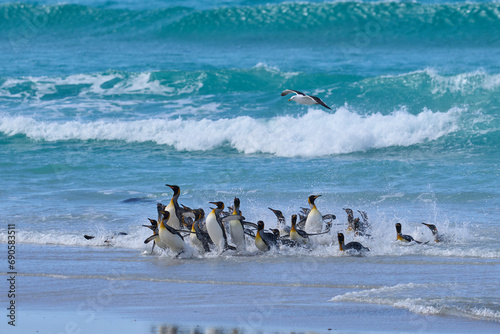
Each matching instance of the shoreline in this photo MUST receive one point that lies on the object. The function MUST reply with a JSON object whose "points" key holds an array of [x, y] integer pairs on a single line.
{"points": [[318, 318]]}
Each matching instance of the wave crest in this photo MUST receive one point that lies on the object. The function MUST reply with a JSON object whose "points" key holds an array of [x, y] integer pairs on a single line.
{"points": [[317, 133]]}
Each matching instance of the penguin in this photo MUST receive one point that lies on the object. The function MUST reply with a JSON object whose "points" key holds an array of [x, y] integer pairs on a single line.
{"points": [[109, 239], [314, 220], [365, 225], [169, 236], [404, 237], [350, 219], [216, 229], [174, 209], [236, 228], [282, 227], [297, 235], [437, 236], [154, 227], [198, 237], [351, 245], [283, 240], [264, 241]]}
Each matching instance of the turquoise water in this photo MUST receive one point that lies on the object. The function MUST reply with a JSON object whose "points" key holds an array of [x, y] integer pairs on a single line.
{"points": [[103, 103]]}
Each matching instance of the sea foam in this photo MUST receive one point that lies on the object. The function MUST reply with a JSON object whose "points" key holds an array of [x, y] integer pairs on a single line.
{"points": [[316, 133]]}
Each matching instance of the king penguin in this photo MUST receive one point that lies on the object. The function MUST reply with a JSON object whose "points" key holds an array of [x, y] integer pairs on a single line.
{"points": [[351, 245], [169, 236], [314, 220], [155, 237], [437, 236], [236, 228], [404, 237], [264, 240], [174, 209], [198, 237], [297, 235], [216, 229], [282, 227]]}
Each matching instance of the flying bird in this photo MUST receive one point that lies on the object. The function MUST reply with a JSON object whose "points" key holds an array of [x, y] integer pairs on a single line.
{"points": [[302, 98]]}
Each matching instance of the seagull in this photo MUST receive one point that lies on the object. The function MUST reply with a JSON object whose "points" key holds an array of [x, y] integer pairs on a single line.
{"points": [[303, 98]]}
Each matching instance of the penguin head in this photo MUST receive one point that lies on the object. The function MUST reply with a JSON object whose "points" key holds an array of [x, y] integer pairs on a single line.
{"points": [[349, 212], [398, 228], [340, 237], [294, 220], [312, 198], [236, 202], [276, 232], [278, 213], [432, 227], [260, 225], [166, 216], [176, 189], [198, 214], [160, 207], [220, 205]]}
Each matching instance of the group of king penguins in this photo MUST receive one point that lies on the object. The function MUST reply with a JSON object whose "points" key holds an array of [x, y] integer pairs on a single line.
{"points": [[177, 222]]}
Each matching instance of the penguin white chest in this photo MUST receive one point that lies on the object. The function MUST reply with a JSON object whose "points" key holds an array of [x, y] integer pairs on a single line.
{"points": [[173, 241], [237, 234], [195, 241], [314, 221], [260, 244], [214, 230], [173, 220], [295, 236]]}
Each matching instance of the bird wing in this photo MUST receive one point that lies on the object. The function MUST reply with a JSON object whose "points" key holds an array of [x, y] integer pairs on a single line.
{"points": [[289, 91], [303, 233], [319, 101], [269, 238]]}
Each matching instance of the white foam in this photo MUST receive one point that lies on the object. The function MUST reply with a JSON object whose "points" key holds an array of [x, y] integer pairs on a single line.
{"points": [[316, 133], [465, 83], [404, 296]]}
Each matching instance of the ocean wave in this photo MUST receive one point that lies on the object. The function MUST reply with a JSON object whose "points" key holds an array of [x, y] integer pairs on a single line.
{"points": [[424, 299], [317, 133], [353, 22], [427, 83]]}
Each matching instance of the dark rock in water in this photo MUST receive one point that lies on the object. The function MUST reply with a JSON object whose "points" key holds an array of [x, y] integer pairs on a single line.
{"points": [[137, 200]]}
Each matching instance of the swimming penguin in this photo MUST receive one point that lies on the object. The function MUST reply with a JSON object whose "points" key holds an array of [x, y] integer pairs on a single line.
{"points": [[351, 245], [198, 237], [282, 227], [174, 209], [297, 235], [236, 228], [437, 237], [314, 221], [264, 240], [155, 237], [283, 240], [404, 237], [350, 219], [169, 236], [216, 229]]}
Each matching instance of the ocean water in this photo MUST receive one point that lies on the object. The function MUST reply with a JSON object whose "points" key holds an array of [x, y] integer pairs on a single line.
{"points": [[102, 103]]}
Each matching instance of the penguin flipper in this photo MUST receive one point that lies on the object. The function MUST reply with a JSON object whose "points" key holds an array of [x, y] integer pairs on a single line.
{"points": [[153, 237], [233, 217], [226, 247], [250, 224]]}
